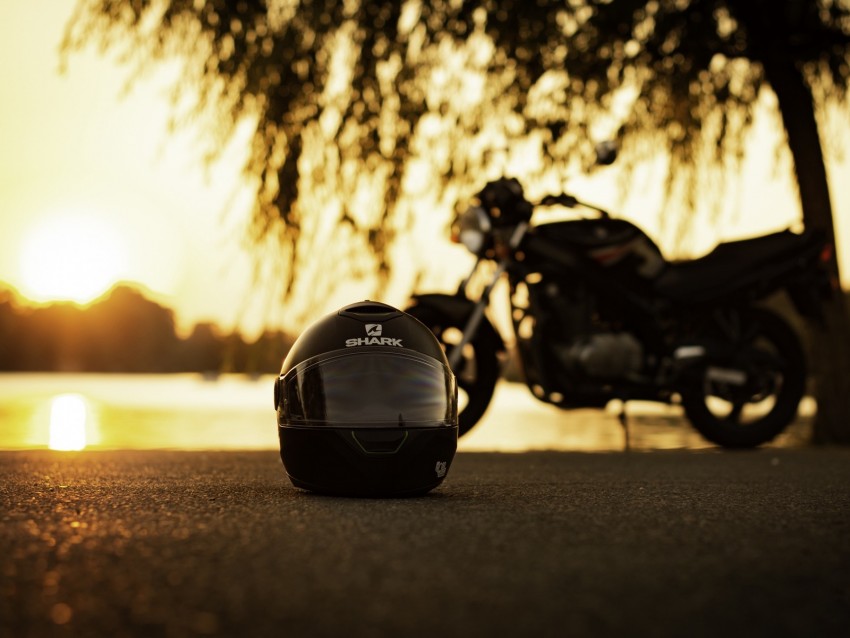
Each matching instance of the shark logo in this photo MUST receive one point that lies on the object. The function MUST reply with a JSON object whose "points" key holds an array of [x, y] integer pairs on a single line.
{"points": [[373, 338], [441, 468]]}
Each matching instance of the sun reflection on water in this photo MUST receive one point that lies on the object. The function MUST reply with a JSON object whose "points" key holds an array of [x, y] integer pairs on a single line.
{"points": [[75, 412], [69, 414]]}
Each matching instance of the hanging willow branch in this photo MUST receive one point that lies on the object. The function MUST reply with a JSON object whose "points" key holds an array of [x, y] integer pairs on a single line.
{"points": [[387, 98]]}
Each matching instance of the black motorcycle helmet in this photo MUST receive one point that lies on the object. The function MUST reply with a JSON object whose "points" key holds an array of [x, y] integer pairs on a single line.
{"points": [[366, 405]]}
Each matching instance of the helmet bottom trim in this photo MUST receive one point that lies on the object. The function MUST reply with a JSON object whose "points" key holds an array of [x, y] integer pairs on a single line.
{"points": [[334, 461]]}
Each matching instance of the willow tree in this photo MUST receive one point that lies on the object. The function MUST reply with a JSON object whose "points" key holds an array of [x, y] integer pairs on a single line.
{"points": [[353, 98]]}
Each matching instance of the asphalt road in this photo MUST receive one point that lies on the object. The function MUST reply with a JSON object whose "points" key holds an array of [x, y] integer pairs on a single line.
{"points": [[153, 543]]}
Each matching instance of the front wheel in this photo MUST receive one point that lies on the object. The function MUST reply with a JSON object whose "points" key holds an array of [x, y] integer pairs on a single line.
{"points": [[477, 371], [749, 394]]}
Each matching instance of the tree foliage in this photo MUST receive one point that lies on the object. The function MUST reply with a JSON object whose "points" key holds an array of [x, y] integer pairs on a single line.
{"points": [[378, 96], [124, 332]]}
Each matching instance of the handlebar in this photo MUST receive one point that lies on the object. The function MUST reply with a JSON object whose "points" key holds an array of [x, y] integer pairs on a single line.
{"points": [[506, 194], [559, 200], [565, 199]]}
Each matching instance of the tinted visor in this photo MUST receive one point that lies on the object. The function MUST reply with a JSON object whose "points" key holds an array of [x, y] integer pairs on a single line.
{"points": [[369, 389]]}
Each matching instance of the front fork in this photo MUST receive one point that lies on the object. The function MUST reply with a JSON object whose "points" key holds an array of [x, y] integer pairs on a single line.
{"points": [[470, 329]]}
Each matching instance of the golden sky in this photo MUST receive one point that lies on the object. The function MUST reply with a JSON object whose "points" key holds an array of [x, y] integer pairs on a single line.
{"points": [[93, 189], [84, 160]]}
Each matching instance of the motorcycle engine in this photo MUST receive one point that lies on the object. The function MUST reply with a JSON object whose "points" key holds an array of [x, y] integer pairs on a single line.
{"points": [[583, 339], [606, 355]]}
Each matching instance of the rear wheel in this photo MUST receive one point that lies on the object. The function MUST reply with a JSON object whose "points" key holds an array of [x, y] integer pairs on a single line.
{"points": [[749, 394], [477, 371]]}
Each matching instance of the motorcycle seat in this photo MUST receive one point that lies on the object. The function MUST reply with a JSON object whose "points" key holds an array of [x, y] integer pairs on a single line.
{"points": [[734, 266]]}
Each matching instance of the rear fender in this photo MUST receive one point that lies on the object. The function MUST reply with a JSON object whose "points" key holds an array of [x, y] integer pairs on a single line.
{"points": [[458, 309], [813, 286], [808, 300]]}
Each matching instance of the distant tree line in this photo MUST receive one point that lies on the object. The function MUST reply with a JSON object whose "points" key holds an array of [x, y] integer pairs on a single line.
{"points": [[125, 332]]}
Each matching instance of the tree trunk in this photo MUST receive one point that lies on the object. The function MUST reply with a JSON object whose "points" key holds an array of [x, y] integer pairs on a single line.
{"points": [[829, 343]]}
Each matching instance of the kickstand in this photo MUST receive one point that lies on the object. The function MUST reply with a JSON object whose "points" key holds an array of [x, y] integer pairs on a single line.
{"points": [[624, 423]]}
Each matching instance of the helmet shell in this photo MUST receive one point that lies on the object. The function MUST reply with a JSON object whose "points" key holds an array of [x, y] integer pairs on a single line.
{"points": [[355, 326], [331, 455]]}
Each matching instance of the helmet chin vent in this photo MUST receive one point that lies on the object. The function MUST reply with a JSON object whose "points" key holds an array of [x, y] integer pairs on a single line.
{"points": [[369, 311]]}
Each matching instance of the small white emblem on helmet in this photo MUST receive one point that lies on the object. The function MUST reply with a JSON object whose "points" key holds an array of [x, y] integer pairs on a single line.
{"points": [[441, 469], [374, 329]]}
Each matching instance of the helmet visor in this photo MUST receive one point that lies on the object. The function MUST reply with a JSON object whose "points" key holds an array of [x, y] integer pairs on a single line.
{"points": [[374, 389]]}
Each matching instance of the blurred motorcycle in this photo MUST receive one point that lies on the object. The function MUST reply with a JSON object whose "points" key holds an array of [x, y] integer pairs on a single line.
{"points": [[599, 314]]}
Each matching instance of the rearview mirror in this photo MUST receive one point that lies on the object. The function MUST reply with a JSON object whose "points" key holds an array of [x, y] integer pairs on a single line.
{"points": [[606, 153]]}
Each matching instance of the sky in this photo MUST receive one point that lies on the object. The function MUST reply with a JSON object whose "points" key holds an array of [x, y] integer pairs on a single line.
{"points": [[94, 189], [80, 153]]}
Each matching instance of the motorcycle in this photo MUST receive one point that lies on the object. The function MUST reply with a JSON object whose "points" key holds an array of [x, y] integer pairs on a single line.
{"points": [[599, 314]]}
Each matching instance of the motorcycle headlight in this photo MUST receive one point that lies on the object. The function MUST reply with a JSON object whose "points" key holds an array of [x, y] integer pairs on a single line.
{"points": [[472, 228]]}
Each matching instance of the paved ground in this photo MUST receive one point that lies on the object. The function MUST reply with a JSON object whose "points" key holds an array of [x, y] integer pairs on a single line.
{"points": [[540, 544]]}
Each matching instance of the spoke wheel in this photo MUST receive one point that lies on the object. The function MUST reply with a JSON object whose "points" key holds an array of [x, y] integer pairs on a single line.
{"points": [[747, 398]]}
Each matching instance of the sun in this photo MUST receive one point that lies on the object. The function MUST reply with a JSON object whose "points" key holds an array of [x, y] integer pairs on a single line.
{"points": [[71, 256]]}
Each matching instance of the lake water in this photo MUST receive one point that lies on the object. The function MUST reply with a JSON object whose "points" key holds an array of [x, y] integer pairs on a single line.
{"points": [[191, 412]]}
